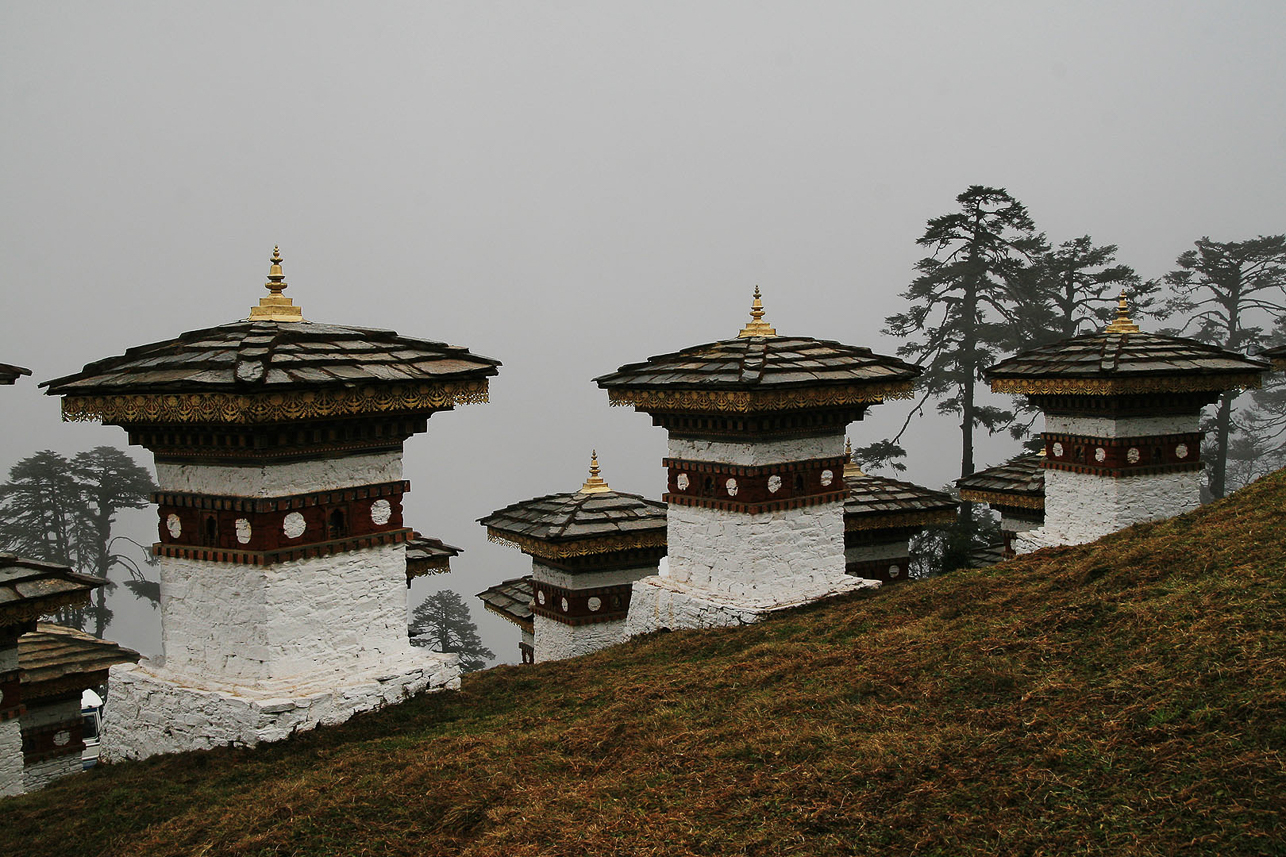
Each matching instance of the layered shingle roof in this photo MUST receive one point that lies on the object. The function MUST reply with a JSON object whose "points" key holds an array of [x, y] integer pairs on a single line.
{"points": [[577, 524], [30, 588], [1277, 356], [426, 555], [875, 502], [511, 600], [1018, 482], [54, 660], [9, 373]]}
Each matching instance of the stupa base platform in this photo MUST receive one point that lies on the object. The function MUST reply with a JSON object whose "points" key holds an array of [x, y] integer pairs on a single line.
{"points": [[150, 711], [660, 603]]}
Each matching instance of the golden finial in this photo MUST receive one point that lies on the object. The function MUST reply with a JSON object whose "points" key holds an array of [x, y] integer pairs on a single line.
{"points": [[757, 325], [276, 307], [850, 466], [594, 484], [1122, 322]]}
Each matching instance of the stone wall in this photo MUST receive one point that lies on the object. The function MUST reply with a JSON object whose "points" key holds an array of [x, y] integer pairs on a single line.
{"points": [[280, 480], [1083, 507], [10, 728], [39, 774], [555, 641], [228, 622], [758, 559], [1122, 427], [148, 712], [758, 453], [588, 579]]}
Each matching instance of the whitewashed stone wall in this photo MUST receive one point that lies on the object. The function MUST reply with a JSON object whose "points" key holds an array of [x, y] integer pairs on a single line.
{"points": [[588, 580], [759, 453], [1017, 525], [1082, 507], [10, 735], [148, 712], [1122, 427], [281, 480], [10, 757], [659, 603], [898, 549], [555, 641], [761, 560], [40, 774], [227, 622]]}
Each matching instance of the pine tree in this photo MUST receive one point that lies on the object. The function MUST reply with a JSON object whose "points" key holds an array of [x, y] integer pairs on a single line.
{"points": [[442, 623], [1081, 283]]}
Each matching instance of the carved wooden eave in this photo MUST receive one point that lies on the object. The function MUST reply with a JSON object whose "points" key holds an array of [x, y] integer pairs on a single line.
{"points": [[759, 401], [557, 551], [863, 523], [272, 407], [1124, 386], [1000, 498]]}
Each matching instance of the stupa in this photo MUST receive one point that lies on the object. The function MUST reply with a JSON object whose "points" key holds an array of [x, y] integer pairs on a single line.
{"points": [[511, 600], [755, 487], [587, 549], [1122, 424], [29, 589], [881, 515], [1015, 489], [282, 548]]}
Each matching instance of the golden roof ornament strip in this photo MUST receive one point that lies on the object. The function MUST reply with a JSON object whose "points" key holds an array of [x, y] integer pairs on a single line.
{"points": [[1124, 386], [1122, 323], [753, 401], [271, 407], [578, 547], [276, 307], [920, 518], [594, 484], [757, 326], [1002, 498]]}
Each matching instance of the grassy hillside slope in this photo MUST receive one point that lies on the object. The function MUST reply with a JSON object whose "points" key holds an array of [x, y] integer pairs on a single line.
{"points": [[1125, 697]]}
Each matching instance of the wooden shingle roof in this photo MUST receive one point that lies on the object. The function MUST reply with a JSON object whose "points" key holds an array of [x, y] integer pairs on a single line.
{"points": [[54, 659], [1018, 482], [9, 373], [579, 523], [426, 555], [1277, 356], [876, 502], [30, 588], [511, 600]]}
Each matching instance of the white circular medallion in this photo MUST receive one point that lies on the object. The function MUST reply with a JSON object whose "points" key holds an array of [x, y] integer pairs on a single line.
{"points": [[894, 571], [563, 604], [540, 596], [174, 526], [381, 511], [774, 484], [1132, 455], [594, 604], [243, 530], [682, 482], [1100, 454], [732, 487], [1057, 449], [1181, 450], [62, 738], [827, 478], [294, 525]]}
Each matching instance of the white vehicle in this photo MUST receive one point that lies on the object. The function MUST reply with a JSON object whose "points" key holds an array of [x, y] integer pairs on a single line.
{"points": [[91, 708]]}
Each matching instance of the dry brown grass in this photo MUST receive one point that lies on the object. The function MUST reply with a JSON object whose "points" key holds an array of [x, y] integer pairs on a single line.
{"points": [[1125, 697]]}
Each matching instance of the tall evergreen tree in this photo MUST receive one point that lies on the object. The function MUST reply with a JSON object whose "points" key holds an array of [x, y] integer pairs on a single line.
{"points": [[1081, 283], [1231, 291], [442, 623], [968, 305]]}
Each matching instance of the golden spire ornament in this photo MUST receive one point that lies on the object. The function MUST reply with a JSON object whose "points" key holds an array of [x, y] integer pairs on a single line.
{"points": [[1122, 323], [594, 484], [850, 466], [757, 325], [276, 307]]}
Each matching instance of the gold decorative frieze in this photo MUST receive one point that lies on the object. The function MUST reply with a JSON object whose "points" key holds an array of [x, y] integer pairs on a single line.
{"points": [[37, 608], [746, 401], [579, 547], [999, 498], [858, 523], [1124, 386], [272, 407]]}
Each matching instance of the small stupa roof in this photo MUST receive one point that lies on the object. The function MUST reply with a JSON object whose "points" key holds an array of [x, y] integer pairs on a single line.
{"points": [[593, 520], [30, 588], [877, 502], [9, 373], [1122, 359], [1018, 482], [1277, 356], [511, 600], [264, 357], [55, 660], [759, 370], [427, 555]]}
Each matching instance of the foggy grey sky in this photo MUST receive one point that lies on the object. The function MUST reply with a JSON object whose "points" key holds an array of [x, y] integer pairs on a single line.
{"points": [[568, 187]]}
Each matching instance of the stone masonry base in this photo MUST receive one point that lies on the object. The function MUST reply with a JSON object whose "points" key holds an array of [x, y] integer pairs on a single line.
{"points": [[659, 603], [149, 711]]}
